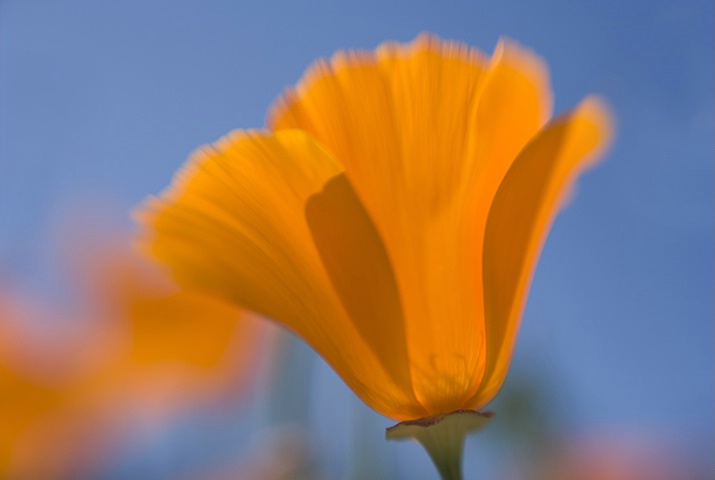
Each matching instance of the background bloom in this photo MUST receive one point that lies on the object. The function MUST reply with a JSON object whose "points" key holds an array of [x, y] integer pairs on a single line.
{"points": [[134, 353], [392, 218]]}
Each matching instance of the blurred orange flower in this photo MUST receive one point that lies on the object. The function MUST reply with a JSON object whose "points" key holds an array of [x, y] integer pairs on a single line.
{"points": [[392, 216], [142, 351]]}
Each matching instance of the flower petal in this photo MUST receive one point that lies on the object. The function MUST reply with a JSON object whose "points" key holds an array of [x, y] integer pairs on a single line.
{"points": [[426, 132], [157, 321], [520, 217], [271, 223], [22, 401]]}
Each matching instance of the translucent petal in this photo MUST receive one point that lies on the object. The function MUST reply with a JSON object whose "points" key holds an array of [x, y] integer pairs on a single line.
{"points": [[519, 220], [271, 223], [425, 133]]}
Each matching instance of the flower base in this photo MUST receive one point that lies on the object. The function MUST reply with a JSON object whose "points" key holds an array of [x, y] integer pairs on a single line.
{"points": [[442, 436]]}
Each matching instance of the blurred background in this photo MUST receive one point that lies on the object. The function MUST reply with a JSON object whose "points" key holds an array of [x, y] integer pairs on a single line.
{"points": [[108, 371]]}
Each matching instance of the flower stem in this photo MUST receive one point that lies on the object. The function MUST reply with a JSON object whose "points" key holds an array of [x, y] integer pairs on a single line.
{"points": [[443, 437]]}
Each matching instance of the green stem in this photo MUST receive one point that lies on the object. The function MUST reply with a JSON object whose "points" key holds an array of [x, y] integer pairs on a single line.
{"points": [[443, 437]]}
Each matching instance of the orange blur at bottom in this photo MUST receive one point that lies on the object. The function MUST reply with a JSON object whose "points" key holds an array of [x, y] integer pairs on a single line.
{"points": [[138, 351]]}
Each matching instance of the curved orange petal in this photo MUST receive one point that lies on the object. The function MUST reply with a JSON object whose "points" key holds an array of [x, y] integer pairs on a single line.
{"points": [[271, 223], [187, 328], [425, 133], [519, 219]]}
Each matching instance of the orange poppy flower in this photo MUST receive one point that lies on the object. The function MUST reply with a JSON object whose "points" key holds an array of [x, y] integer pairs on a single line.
{"points": [[146, 351], [391, 216]]}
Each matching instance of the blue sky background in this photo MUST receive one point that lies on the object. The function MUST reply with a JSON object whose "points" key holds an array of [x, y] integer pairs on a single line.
{"points": [[105, 100]]}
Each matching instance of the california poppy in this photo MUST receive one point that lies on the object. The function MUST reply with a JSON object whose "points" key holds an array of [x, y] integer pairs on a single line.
{"points": [[391, 215]]}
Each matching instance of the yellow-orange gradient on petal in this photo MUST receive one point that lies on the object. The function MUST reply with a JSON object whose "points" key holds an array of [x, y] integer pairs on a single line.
{"points": [[144, 351], [392, 215]]}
